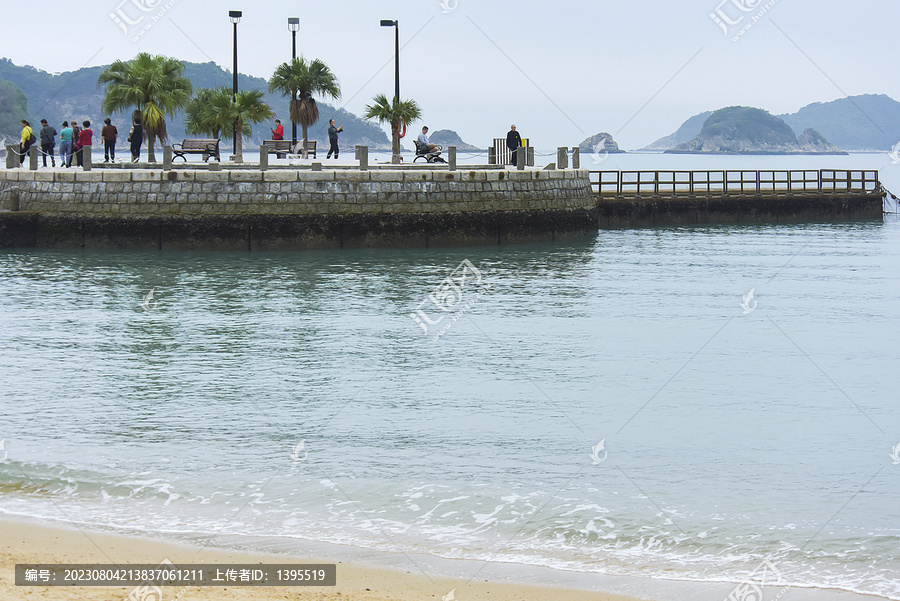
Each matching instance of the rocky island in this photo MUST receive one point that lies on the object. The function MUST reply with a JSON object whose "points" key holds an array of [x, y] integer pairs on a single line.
{"points": [[602, 142], [748, 130]]}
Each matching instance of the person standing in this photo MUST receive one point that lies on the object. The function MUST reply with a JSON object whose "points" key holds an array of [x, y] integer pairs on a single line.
{"points": [[278, 132], [66, 147], [136, 138], [110, 134], [76, 144], [513, 142], [26, 141], [333, 132], [48, 142], [85, 141]]}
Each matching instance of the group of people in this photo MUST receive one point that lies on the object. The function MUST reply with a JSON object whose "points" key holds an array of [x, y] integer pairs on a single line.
{"points": [[73, 138]]}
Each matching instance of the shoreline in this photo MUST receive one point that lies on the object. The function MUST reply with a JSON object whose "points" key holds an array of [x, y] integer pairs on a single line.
{"points": [[27, 541], [361, 573]]}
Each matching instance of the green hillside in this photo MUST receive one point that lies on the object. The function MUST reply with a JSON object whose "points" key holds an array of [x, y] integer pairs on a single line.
{"points": [[13, 108], [75, 94]]}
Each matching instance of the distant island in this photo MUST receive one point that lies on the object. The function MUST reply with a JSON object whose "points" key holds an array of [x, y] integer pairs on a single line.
{"points": [[868, 122], [602, 142], [448, 137], [748, 130]]}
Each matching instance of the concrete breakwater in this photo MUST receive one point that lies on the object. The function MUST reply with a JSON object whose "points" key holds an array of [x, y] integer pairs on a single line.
{"points": [[291, 208]]}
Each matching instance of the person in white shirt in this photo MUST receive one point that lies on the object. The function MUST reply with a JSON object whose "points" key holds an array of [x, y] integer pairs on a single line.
{"points": [[424, 141]]}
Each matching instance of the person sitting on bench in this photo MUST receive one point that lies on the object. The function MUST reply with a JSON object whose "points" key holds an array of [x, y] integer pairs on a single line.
{"points": [[425, 142]]}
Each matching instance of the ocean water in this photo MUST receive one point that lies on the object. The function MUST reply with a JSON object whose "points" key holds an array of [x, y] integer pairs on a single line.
{"points": [[292, 397]]}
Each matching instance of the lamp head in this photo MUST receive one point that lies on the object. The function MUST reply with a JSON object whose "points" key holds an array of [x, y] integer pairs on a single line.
{"points": [[235, 16], [294, 23], [388, 23]]}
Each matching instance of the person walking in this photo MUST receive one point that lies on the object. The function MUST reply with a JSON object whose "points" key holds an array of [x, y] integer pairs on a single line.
{"points": [[136, 137], [109, 133], [278, 132], [48, 142], [85, 141], [27, 140], [333, 132], [66, 145], [513, 142]]}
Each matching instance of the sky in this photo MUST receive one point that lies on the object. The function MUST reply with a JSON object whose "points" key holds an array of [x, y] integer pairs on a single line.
{"points": [[560, 71]]}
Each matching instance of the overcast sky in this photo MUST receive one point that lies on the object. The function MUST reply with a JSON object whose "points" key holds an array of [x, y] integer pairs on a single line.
{"points": [[560, 71]]}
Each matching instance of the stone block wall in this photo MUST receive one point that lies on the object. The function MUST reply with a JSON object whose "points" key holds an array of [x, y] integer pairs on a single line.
{"points": [[140, 193]]}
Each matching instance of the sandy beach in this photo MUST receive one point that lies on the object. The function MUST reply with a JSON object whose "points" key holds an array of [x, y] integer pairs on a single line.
{"points": [[25, 542]]}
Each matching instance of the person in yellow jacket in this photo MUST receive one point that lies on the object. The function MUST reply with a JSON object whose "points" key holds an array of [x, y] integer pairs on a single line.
{"points": [[27, 140]]}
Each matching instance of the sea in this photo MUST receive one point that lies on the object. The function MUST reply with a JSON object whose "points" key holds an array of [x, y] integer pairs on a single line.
{"points": [[694, 404]]}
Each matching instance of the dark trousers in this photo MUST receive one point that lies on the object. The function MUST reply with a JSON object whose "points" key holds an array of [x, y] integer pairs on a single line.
{"points": [[78, 156], [24, 151], [334, 149], [109, 148], [513, 152], [135, 150], [48, 149]]}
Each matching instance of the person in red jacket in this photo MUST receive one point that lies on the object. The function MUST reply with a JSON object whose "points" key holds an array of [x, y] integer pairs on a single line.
{"points": [[278, 132], [85, 138]]}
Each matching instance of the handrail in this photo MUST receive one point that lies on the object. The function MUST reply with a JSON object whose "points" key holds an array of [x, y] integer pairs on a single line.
{"points": [[732, 181]]}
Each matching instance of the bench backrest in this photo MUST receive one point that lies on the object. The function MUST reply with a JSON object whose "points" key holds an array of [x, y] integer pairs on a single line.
{"points": [[199, 144]]}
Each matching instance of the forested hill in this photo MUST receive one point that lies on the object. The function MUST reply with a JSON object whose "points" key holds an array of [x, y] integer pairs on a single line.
{"points": [[75, 94]]}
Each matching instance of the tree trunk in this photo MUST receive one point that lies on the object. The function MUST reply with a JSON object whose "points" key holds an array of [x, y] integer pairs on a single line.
{"points": [[151, 155], [395, 143], [303, 149], [239, 145]]}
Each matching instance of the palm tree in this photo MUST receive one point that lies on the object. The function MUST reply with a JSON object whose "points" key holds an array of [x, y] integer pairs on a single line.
{"points": [[301, 79], [154, 84], [395, 113], [205, 110], [247, 108]]}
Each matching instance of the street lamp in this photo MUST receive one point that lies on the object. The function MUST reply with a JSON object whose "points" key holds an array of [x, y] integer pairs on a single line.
{"points": [[235, 16], [396, 26], [294, 26], [395, 159]]}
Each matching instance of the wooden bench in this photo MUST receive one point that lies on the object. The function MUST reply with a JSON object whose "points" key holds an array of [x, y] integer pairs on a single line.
{"points": [[282, 148], [206, 147]]}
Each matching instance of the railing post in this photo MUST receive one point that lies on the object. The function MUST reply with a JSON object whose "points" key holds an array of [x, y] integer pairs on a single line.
{"points": [[362, 155], [167, 157], [521, 158], [451, 157], [576, 157], [86, 157], [33, 157], [492, 156], [12, 156], [562, 158], [529, 156], [263, 157]]}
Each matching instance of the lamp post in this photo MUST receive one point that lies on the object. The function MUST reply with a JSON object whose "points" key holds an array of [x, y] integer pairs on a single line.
{"points": [[396, 25], [294, 26], [235, 16]]}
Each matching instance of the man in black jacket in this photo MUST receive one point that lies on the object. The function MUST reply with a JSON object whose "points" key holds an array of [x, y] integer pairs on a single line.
{"points": [[48, 142], [333, 132], [513, 141]]}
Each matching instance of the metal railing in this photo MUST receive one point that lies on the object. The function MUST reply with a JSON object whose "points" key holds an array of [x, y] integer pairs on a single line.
{"points": [[733, 182]]}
